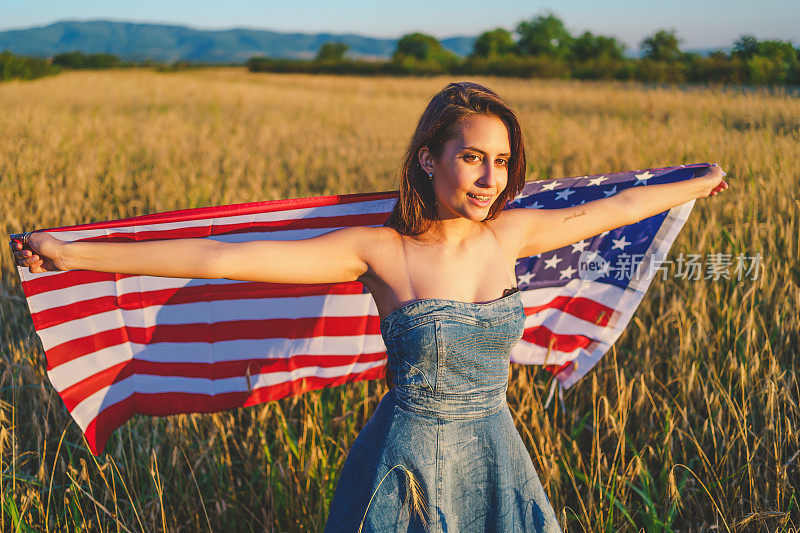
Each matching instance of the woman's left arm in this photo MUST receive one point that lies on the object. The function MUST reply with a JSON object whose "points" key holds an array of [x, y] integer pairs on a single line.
{"points": [[533, 231]]}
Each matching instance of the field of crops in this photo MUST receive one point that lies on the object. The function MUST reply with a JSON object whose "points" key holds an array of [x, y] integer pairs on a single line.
{"points": [[691, 422]]}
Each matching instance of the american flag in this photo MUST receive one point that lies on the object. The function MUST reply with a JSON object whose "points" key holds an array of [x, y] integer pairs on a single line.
{"points": [[119, 345]]}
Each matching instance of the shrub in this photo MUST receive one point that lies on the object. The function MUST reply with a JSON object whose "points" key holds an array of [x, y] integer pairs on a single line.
{"points": [[79, 60], [13, 66]]}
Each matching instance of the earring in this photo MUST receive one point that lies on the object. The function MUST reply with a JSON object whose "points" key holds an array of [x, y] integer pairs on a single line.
{"points": [[430, 175]]}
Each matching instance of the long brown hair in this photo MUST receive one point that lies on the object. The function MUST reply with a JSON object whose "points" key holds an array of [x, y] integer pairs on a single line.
{"points": [[415, 210]]}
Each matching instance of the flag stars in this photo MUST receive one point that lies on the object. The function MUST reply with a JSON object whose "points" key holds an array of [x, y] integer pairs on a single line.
{"points": [[620, 243], [641, 179], [598, 180], [579, 246], [564, 195], [550, 186], [525, 278], [611, 192], [567, 272], [535, 205], [552, 262]]}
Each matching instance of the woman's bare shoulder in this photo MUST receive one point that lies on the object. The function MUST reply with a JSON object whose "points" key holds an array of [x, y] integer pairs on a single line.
{"points": [[372, 234], [370, 240], [508, 227], [379, 233], [378, 247], [383, 232]]}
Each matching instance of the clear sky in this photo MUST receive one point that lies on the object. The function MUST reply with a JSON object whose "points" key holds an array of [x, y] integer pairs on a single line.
{"points": [[700, 23]]}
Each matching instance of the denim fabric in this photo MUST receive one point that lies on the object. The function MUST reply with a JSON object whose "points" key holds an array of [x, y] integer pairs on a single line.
{"points": [[446, 421]]}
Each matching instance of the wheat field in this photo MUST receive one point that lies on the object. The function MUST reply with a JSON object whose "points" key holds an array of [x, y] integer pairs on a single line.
{"points": [[690, 423]]}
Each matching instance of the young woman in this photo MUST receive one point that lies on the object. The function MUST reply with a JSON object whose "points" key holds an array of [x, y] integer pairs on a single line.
{"points": [[441, 273]]}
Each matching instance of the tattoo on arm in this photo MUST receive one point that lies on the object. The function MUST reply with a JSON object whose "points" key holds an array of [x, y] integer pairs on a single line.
{"points": [[575, 215]]}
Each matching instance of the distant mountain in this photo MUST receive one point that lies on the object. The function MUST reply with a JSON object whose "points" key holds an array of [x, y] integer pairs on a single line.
{"points": [[132, 41]]}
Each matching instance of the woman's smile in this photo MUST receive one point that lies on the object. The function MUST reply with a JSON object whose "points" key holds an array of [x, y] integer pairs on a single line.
{"points": [[480, 200]]}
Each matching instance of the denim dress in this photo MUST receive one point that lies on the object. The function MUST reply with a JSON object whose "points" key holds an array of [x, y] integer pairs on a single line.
{"points": [[443, 436]]}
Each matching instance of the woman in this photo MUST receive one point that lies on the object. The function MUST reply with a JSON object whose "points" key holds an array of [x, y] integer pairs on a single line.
{"points": [[441, 274]]}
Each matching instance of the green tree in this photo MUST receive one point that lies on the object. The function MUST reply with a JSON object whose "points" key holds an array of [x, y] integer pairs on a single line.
{"points": [[418, 53], [662, 46], [332, 52], [422, 47], [498, 42], [780, 51], [767, 62], [24, 68], [589, 46], [544, 35], [746, 46]]}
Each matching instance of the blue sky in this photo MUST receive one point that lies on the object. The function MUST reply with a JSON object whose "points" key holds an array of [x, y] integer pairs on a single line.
{"points": [[700, 23]]}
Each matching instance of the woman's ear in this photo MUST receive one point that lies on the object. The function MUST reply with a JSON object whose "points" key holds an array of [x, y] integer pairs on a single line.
{"points": [[426, 159]]}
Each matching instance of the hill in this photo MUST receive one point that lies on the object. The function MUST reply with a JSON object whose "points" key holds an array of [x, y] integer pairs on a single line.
{"points": [[159, 42]]}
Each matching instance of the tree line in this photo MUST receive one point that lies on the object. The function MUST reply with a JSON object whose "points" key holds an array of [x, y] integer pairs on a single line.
{"points": [[14, 66], [23, 68], [543, 48]]}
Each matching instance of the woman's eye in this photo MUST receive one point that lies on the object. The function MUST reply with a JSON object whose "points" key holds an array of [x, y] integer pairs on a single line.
{"points": [[503, 162], [471, 158]]}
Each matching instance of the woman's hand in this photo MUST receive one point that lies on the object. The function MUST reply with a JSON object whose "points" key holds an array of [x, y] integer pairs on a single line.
{"points": [[40, 252], [710, 183]]}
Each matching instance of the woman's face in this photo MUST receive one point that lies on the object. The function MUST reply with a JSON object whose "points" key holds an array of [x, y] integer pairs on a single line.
{"points": [[472, 170]]}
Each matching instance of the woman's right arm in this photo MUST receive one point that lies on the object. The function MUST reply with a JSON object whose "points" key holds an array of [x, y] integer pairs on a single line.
{"points": [[336, 256]]}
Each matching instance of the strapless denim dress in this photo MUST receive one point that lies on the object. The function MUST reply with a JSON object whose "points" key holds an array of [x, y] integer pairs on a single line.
{"points": [[446, 423]]}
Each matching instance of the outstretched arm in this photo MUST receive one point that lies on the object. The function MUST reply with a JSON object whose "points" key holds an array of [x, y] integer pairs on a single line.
{"points": [[333, 257], [533, 231]]}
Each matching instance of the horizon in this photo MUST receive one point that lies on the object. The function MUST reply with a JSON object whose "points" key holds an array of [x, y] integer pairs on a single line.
{"points": [[628, 48], [628, 21]]}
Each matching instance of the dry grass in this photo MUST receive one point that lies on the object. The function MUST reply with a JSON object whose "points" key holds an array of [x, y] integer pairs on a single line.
{"points": [[692, 423]]}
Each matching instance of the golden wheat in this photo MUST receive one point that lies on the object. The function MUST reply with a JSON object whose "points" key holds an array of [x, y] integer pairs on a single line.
{"points": [[691, 422]]}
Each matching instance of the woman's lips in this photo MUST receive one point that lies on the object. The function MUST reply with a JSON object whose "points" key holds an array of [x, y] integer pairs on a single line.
{"points": [[480, 200]]}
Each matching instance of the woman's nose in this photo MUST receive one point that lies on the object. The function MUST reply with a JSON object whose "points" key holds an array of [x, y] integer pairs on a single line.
{"points": [[489, 176]]}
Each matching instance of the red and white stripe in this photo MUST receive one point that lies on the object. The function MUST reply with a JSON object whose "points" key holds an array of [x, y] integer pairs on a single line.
{"points": [[119, 345]]}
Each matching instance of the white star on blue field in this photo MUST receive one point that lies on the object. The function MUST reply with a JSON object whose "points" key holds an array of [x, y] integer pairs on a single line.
{"points": [[616, 252]]}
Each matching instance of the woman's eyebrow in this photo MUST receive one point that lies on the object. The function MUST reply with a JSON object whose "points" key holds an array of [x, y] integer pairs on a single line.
{"points": [[481, 151]]}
